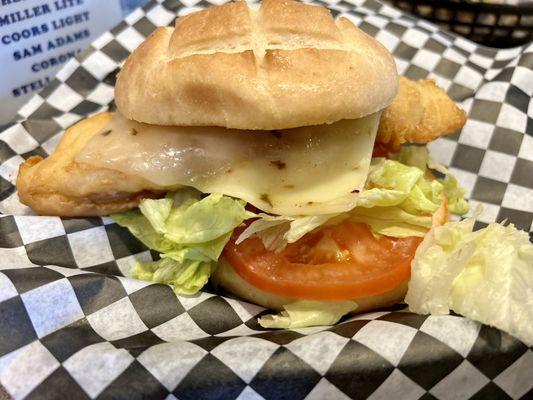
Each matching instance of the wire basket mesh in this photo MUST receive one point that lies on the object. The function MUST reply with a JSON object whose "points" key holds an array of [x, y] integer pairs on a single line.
{"points": [[491, 24]]}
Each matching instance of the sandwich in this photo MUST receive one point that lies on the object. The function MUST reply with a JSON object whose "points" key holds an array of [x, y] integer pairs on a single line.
{"points": [[273, 149]]}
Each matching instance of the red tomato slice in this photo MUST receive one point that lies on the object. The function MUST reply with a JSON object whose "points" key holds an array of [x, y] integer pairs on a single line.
{"points": [[380, 150], [384, 149], [338, 262]]}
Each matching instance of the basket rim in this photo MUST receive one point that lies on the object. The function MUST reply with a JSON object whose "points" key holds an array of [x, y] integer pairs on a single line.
{"points": [[473, 6]]}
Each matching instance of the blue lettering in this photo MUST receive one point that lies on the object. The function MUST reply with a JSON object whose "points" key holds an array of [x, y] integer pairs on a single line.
{"points": [[53, 61], [27, 52], [24, 34]]}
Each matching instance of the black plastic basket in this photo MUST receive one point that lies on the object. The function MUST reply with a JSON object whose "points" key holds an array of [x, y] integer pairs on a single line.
{"points": [[491, 24]]}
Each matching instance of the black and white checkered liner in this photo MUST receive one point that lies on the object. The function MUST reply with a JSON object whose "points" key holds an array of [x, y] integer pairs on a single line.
{"points": [[72, 326]]}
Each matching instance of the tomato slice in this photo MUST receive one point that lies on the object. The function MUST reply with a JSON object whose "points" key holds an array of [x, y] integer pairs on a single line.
{"points": [[340, 262], [384, 149]]}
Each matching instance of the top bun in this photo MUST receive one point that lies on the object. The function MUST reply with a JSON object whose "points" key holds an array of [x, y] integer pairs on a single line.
{"points": [[283, 65]]}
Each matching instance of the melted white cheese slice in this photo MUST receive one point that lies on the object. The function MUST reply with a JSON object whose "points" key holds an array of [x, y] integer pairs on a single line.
{"points": [[303, 171]]}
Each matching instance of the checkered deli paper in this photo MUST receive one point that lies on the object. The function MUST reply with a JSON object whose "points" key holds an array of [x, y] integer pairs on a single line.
{"points": [[72, 325]]}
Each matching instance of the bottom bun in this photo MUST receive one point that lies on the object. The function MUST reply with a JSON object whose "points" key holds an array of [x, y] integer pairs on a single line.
{"points": [[226, 277]]}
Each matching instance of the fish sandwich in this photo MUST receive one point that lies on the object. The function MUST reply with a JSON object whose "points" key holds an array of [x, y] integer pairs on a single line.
{"points": [[262, 146]]}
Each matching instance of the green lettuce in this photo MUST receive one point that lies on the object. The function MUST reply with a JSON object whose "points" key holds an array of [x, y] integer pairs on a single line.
{"points": [[485, 275], [186, 277], [156, 212], [389, 183], [143, 230], [413, 156], [418, 156], [399, 199], [457, 203], [190, 232], [392, 221], [205, 220], [306, 313], [277, 231], [401, 194]]}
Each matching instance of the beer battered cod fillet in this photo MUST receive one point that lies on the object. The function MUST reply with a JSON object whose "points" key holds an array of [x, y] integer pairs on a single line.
{"points": [[58, 185], [420, 113]]}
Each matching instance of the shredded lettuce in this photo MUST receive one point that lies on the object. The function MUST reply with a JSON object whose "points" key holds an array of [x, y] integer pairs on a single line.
{"points": [[143, 230], [389, 183], [277, 231], [413, 156], [205, 220], [457, 203], [186, 277], [188, 231], [392, 221], [485, 275], [399, 199], [418, 156], [301, 314]]}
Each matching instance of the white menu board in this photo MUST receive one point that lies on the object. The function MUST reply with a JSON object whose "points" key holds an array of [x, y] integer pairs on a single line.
{"points": [[37, 37]]}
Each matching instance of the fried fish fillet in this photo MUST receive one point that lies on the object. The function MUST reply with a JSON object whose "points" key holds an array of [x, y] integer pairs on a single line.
{"points": [[421, 112], [58, 185]]}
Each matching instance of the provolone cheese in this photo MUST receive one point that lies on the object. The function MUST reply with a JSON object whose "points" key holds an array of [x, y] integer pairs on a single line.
{"points": [[302, 171]]}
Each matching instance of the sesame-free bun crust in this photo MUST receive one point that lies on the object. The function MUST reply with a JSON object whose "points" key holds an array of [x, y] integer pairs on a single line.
{"points": [[284, 65]]}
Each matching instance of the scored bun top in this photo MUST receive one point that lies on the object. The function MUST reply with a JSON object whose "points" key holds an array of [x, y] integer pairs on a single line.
{"points": [[284, 65]]}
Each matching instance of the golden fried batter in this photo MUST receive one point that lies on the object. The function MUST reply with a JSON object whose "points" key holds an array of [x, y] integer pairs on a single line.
{"points": [[58, 185], [421, 112]]}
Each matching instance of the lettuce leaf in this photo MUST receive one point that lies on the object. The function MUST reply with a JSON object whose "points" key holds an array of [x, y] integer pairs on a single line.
{"points": [[277, 231], [301, 314], [413, 156], [486, 275], [143, 230], [205, 220], [457, 203], [399, 199], [425, 197], [392, 221], [388, 184], [156, 212], [186, 277], [188, 231], [418, 156]]}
